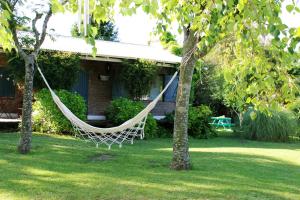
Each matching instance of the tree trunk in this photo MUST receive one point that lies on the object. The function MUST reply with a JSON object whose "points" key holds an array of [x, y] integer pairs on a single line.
{"points": [[240, 117], [26, 129], [181, 159]]}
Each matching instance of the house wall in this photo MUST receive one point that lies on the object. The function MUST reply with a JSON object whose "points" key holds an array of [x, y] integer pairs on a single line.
{"points": [[100, 92], [10, 104]]}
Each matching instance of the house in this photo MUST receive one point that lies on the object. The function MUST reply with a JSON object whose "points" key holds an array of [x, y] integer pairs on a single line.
{"points": [[99, 79]]}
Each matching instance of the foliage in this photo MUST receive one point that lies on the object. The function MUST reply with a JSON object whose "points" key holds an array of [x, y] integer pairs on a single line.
{"points": [[199, 126], [216, 21], [260, 79], [199, 118], [294, 107], [138, 76], [168, 41], [207, 86], [48, 118], [106, 31], [123, 109], [164, 132], [60, 69], [275, 126]]}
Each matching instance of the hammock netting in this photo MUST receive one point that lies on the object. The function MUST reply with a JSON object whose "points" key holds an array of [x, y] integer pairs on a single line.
{"points": [[127, 131]]}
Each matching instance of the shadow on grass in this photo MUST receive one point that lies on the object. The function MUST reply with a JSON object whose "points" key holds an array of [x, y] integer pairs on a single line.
{"points": [[62, 169]]}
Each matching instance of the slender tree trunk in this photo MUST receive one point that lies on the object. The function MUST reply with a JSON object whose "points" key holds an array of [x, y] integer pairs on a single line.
{"points": [[240, 116], [181, 158], [26, 129]]}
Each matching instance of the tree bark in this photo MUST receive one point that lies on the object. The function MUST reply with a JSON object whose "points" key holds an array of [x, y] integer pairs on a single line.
{"points": [[181, 158], [26, 129]]}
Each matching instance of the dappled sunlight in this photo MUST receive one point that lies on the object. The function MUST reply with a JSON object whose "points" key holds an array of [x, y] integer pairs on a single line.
{"points": [[64, 169], [289, 156], [2, 162], [40, 172]]}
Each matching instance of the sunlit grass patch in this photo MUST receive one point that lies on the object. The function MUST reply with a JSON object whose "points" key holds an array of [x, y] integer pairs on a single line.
{"points": [[61, 167]]}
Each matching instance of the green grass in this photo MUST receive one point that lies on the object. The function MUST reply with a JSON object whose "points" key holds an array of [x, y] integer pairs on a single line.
{"points": [[61, 167]]}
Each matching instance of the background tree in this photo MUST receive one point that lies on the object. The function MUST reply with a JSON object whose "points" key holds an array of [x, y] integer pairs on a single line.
{"points": [[204, 24], [13, 21], [106, 30]]}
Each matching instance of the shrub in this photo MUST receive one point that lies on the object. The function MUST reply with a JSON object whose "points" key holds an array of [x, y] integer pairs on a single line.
{"points": [[164, 132], [60, 69], [122, 109], [199, 126], [198, 123], [48, 118], [275, 126], [138, 77]]}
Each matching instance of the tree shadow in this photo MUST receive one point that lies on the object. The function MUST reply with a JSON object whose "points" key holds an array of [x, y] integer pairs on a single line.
{"points": [[61, 169]]}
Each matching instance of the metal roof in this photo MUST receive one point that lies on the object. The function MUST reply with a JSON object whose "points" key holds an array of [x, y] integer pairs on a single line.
{"points": [[107, 49]]}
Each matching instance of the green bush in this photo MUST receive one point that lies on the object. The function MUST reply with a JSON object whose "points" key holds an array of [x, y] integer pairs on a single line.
{"points": [[199, 126], [48, 118], [122, 109], [275, 126], [60, 69], [198, 123]]}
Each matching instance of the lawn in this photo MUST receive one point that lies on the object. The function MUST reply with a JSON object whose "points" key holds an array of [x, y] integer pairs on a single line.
{"points": [[62, 167]]}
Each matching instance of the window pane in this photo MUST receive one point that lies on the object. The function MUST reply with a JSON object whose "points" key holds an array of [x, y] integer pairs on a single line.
{"points": [[157, 87], [7, 87]]}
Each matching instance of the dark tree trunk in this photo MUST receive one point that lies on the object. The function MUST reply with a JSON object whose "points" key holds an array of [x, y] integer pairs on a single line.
{"points": [[26, 129], [181, 158]]}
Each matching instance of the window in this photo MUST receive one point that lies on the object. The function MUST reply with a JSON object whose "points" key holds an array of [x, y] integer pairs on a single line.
{"points": [[157, 87], [82, 85], [7, 86], [170, 94]]}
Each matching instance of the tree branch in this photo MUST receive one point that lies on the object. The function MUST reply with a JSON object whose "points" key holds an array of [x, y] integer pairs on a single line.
{"points": [[40, 41], [13, 3], [34, 29]]}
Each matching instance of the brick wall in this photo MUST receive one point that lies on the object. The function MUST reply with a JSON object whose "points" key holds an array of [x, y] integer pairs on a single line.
{"points": [[100, 92], [10, 104], [2, 60]]}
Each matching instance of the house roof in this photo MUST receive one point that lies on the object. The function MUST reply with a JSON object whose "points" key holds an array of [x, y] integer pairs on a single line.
{"points": [[107, 49]]}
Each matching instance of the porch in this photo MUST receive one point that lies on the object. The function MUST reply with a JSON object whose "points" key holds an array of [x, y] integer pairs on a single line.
{"points": [[99, 83]]}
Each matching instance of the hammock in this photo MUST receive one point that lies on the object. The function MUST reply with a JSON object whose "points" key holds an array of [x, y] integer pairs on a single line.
{"points": [[127, 131]]}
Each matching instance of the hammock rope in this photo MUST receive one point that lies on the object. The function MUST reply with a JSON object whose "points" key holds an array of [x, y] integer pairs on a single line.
{"points": [[127, 131]]}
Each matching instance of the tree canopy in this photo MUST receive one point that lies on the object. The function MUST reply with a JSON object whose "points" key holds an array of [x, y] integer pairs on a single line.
{"points": [[106, 31]]}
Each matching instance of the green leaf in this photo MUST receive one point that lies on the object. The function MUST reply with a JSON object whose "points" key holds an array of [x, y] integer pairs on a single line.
{"points": [[94, 31], [56, 6], [290, 8], [253, 115], [297, 34], [248, 100], [94, 51]]}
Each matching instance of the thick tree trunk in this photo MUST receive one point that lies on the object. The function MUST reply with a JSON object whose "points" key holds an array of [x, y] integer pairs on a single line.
{"points": [[181, 159], [26, 129]]}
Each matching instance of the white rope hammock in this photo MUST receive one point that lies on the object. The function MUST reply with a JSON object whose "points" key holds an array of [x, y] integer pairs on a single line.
{"points": [[127, 131]]}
